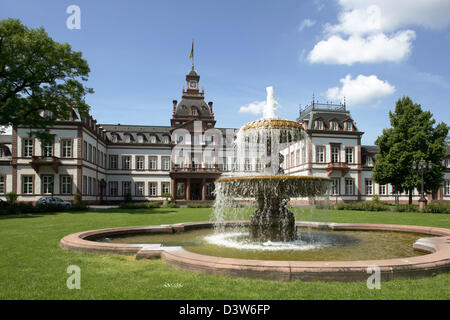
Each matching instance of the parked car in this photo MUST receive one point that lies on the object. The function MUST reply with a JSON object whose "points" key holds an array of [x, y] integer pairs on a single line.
{"points": [[54, 200]]}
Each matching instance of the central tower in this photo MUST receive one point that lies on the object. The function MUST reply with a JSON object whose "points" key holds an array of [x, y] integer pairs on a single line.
{"points": [[192, 105]]}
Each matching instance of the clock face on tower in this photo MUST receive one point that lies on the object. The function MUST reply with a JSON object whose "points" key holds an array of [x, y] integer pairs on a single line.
{"points": [[193, 84]]}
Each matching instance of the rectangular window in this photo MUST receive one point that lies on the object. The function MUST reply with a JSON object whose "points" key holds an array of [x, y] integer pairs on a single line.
{"points": [[113, 188], [139, 189], [166, 163], [383, 189], [349, 155], [334, 154], [258, 165], [369, 161], [335, 186], [320, 154], [126, 162], [180, 189], [90, 153], [85, 150], [2, 184], [209, 188], [297, 157], [152, 189], [349, 187], [292, 159], [66, 148], [153, 163], [334, 126], [304, 155], [139, 163], [89, 186], [369, 186], [126, 187], [113, 161], [47, 149], [319, 125], [247, 166], [27, 147], [165, 187], [47, 184], [447, 188], [94, 155], [85, 190], [27, 184], [66, 185]]}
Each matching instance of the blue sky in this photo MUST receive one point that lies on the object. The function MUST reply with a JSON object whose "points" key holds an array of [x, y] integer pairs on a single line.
{"points": [[373, 52]]}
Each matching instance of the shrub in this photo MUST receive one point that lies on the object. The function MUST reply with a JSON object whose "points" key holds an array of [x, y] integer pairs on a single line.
{"points": [[199, 205], [406, 208], [77, 199], [173, 205], [11, 197], [127, 197], [363, 206], [139, 205], [437, 207]]}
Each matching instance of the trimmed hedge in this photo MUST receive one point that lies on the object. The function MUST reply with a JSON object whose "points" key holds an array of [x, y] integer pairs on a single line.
{"points": [[140, 205], [199, 205], [437, 207], [432, 207], [24, 207]]}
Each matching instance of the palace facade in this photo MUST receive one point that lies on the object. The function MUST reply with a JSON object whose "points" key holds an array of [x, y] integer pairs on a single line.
{"points": [[105, 162]]}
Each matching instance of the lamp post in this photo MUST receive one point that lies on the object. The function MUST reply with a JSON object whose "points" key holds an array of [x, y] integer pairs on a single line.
{"points": [[422, 166]]}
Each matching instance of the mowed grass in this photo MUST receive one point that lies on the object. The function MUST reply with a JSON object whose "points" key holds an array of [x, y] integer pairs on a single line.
{"points": [[32, 266]]}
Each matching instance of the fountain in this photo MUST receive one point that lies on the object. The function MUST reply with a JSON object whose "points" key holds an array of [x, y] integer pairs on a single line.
{"points": [[263, 140], [269, 246]]}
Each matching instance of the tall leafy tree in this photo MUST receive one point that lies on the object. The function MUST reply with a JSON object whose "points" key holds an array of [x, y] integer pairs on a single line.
{"points": [[412, 136], [38, 74]]}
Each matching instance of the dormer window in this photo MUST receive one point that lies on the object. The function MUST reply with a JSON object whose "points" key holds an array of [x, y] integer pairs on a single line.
{"points": [[348, 126], [319, 124], [152, 139], [166, 139], [334, 125], [114, 137], [127, 138], [140, 138], [369, 161]]}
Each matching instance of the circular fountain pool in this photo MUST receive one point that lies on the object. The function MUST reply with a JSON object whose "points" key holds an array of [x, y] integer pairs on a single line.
{"points": [[398, 251], [309, 246]]}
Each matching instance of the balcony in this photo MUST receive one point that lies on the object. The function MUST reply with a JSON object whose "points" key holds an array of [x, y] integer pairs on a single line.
{"points": [[195, 168], [337, 166], [38, 161]]}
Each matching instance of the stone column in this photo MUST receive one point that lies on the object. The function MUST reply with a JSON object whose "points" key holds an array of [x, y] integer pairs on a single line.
{"points": [[203, 189], [188, 189], [173, 183]]}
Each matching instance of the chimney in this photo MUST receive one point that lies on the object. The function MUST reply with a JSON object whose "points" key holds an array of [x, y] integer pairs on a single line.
{"points": [[174, 105]]}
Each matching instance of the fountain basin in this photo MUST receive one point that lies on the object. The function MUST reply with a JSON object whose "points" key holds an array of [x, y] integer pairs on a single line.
{"points": [[436, 261]]}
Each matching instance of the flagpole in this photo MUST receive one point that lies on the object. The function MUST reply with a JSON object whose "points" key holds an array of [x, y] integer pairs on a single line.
{"points": [[192, 54]]}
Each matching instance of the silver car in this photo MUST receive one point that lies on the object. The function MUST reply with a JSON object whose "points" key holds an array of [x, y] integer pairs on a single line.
{"points": [[54, 200]]}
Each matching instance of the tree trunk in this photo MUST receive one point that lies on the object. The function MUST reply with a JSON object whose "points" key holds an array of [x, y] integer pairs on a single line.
{"points": [[410, 196]]}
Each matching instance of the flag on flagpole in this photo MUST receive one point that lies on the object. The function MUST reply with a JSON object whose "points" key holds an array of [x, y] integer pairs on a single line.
{"points": [[191, 55]]}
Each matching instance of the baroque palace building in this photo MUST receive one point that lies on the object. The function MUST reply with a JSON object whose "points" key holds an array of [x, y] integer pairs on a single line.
{"points": [[104, 162]]}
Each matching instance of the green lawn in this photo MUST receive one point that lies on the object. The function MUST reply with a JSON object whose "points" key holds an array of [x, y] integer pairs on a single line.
{"points": [[32, 266]]}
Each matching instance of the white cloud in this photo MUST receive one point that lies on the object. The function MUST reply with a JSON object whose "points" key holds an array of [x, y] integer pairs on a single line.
{"points": [[366, 16], [374, 48], [319, 5], [256, 107], [366, 27], [362, 89], [307, 23]]}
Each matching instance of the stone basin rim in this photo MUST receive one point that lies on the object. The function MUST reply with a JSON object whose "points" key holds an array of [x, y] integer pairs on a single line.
{"points": [[436, 261]]}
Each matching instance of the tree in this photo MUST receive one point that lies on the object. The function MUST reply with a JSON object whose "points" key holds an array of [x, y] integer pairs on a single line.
{"points": [[412, 136], [38, 74]]}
